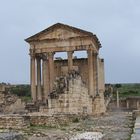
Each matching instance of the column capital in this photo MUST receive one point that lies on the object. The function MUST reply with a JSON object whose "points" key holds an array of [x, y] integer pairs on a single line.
{"points": [[89, 51], [44, 56], [70, 52], [50, 54], [32, 53], [92, 51], [95, 53], [38, 56]]}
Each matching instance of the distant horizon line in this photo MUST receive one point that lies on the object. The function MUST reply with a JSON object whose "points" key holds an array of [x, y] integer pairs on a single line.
{"points": [[105, 83]]}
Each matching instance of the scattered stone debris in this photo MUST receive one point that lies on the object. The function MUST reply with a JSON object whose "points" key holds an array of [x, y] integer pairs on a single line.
{"points": [[11, 136], [136, 132], [88, 136], [112, 126]]}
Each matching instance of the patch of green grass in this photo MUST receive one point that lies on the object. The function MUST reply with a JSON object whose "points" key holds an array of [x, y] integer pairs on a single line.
{"points": [[41, 127], [75, 120], [35, 127], [63, 129], [129, 90]]}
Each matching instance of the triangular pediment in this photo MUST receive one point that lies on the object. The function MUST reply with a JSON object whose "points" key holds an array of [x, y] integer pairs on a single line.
{"points": [[59, 31]]}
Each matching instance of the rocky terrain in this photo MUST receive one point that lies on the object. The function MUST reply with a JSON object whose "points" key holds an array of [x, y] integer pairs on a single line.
{"points": [[113, 125], [11, 136]]}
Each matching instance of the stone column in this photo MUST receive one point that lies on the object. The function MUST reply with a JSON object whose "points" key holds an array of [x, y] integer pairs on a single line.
{"points": [[96, 77], [127, 104], [48, 77], [137, 104], [70, 61], [90, 73], [94, 73], [51, 70], [39, 96], [33, 77], [45, 77], [118, 105]]}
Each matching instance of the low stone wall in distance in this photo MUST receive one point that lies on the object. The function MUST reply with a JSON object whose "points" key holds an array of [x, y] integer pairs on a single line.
{"points": [[37, 119], [53, 120], [13, 122]]}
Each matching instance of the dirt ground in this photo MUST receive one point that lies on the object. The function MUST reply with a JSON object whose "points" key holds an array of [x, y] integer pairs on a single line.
{"points": [[113, 125]]}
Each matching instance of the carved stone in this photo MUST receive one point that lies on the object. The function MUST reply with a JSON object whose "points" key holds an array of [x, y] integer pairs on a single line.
{"points": [[58, 81]]}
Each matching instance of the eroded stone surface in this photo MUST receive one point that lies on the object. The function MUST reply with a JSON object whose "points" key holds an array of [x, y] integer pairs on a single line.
{"points": [[114, 126]]}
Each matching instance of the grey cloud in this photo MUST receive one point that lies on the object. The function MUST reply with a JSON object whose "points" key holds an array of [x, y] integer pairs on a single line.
{"points": [[115, 22]]}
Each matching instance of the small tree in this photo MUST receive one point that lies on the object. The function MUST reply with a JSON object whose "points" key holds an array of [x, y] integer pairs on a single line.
{"points": [[118, 85]]}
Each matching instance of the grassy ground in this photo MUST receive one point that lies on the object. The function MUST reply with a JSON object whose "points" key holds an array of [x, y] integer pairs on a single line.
{"points": [[129, 90]]}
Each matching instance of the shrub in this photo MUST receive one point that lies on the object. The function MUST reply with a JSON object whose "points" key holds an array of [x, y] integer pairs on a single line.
{"points": [[75, 120]]}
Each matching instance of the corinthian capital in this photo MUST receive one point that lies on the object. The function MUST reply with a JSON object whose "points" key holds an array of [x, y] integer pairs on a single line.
{"points": [[51, 54], [32, 53], [44, 56]]}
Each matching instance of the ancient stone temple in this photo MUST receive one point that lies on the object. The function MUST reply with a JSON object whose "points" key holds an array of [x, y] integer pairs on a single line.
{"points": [[69, 85]]}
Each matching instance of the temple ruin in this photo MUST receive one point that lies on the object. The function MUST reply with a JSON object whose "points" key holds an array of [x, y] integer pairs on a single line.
{"points": [[72, 85]]}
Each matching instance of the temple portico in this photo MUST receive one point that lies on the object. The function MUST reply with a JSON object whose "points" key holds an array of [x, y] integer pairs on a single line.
{"points": [[42, 73], [45, 69]]}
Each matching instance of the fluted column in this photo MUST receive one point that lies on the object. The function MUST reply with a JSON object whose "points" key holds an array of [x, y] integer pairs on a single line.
{"points": [[94, 73], [45, 78], [51, 70], [90, 72], [39, 96], [33, 77], [97, 78], [70, 60], [48, 77]]}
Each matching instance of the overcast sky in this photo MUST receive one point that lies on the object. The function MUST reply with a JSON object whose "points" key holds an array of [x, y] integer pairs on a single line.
{"points": [[115, 22]]}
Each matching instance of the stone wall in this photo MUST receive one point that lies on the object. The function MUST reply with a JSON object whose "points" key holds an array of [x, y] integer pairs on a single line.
{"points": [[52, 120], [82, 66], [10, 103], [17, 107], [2, 88], [75, 100], [81, 63], [13, 121], [35, 119]]}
